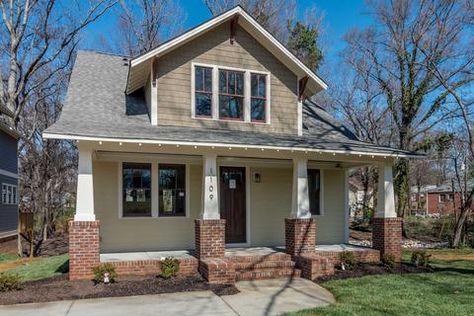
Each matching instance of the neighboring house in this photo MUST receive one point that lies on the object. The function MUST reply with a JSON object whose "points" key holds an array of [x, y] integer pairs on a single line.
{"points": [[8, 181], [436, 200], [356, 199], [205, 143]]}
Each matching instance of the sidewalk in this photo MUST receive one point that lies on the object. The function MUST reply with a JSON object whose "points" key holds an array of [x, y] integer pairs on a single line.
{"points": [[265, 297]]}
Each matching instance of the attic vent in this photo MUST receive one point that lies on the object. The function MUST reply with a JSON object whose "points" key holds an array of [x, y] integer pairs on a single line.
{"points": [[125, 61]]}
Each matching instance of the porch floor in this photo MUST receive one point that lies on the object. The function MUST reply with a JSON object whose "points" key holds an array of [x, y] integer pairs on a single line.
{"points": [[229, 252]]}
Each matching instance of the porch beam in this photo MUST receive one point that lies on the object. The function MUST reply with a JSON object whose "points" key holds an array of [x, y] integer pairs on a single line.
{"points": [[300, 193], [85, 185], [386, 196], [210, 198]]}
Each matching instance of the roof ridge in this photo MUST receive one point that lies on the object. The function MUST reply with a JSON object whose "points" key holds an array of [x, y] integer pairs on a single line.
{"points": [[99, 52]]}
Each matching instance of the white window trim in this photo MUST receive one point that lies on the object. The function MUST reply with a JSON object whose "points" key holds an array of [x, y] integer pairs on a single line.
{"points": [[154, 191], [14, 198], [247, 93]]}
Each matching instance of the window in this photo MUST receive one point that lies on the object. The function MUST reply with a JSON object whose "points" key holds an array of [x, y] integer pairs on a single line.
{"points": [[203, 91], [231, 94], [442, 198], [314, 188], [172, 190], [136, 189], [258, 98], [9, 194]]}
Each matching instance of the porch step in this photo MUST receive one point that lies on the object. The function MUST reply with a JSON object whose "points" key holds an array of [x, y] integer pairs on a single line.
{"points": [[252, 266], [267, 274], [255, 259]]}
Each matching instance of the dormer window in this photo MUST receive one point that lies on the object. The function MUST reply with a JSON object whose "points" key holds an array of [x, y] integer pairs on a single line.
{"points": [[225, 93], [231, 95], [203, 91], [258, 101]]}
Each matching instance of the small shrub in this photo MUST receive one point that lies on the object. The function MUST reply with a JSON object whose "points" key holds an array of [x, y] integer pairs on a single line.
{"points": [[9, 282], [420, 258], [388, 260], [347, 260], [169, 267], [100, 270]]}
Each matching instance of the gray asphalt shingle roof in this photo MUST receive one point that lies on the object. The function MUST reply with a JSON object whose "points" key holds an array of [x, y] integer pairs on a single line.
{"points": [[96, 106]]}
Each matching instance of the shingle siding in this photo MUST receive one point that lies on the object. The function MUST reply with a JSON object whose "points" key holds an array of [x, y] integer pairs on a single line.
{"points": [[8, 153]]}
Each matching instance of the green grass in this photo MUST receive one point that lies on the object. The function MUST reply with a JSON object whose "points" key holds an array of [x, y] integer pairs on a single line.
{"points": [[7, 256], [42, 268], [448, 291]]}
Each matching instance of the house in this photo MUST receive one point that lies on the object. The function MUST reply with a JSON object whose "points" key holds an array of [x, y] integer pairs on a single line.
{"points": [[208, 149], [436, 200], [8, 181], [356, 198]]}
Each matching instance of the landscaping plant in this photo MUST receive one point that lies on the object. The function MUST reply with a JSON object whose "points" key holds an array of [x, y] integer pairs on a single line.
{"points": [[420, 258], [347, 260], [388, 260], [104, 271], [169, 267], [9, 282]]}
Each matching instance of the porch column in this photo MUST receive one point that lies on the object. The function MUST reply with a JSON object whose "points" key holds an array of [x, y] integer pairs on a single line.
{"points": [[386, 226], [300, 228], [84, 230], [210, 228]]}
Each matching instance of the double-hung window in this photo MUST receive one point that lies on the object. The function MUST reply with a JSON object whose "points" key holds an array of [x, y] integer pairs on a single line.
{"points": [[231, 95], [9, 194], [225, 93], [172, 190], [258, 100], [203, 91], [136, 189]]}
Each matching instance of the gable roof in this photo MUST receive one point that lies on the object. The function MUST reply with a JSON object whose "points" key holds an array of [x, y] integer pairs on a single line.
{"points": [[96, 108], [140, 65]]}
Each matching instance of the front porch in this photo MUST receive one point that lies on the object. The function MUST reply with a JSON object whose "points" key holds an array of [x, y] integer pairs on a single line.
{"points": [[255, 199], [249, 263]]}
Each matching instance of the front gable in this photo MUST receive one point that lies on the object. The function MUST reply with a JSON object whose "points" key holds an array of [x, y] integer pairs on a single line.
{"points": [[175, 84]]}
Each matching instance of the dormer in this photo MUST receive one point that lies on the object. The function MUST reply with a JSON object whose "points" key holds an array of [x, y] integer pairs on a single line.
{"points": [[227, 73]]}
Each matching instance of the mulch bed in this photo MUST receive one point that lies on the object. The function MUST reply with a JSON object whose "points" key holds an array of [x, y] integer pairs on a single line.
{"points": [[363, 269], [60, 288]]}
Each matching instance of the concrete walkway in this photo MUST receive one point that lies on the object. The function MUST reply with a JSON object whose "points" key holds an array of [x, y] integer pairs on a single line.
{"points": [[264, 297]]}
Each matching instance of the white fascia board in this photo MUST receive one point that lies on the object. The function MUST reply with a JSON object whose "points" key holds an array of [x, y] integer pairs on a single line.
{"points": [[225, 145], [216, 21]]}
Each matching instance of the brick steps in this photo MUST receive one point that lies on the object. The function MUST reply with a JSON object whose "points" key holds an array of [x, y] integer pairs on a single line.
{"points": [[269, 266], [267, 274]]}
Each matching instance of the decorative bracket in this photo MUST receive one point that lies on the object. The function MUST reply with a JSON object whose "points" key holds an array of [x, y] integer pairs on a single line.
{"points": [[301, 87], [233, 28]]}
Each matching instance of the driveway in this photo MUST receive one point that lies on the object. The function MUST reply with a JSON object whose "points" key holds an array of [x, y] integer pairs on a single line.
{"points": [[264, 297]]}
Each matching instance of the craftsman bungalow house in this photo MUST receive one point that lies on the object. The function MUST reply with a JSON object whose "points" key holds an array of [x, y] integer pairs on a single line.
{"points": [[208, 149]]}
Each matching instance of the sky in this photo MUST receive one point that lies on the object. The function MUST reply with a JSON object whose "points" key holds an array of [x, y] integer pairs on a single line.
{"points": [[340, 16]]}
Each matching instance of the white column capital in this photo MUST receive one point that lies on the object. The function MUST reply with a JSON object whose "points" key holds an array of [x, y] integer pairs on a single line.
{"points": [[300, 194], [210, 198], [385, 192], [85, 185]]}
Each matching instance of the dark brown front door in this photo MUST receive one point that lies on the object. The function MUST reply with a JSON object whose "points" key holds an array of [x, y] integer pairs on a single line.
{"points": [[232, 203]]}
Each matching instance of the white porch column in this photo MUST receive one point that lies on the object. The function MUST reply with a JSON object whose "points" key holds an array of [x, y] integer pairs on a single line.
{"points": [[210, 198], [386, 196], [300, 194], [85, 185]]}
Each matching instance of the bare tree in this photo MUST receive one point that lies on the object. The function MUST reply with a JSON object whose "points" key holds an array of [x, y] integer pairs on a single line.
{"points": [[412, 94], [38, 34], [271, 14], [143, 24]]}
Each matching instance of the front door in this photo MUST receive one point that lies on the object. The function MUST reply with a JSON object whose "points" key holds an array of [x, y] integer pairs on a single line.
{"points": [[232, 203]]}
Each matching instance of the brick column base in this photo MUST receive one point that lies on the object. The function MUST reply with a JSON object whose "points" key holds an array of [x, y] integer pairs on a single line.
{"points": [[83, 249], [300, 236], [210, 238], [387, 236]]}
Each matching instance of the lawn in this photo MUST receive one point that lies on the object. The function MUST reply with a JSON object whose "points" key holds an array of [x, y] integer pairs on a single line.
{"points": [[448, 291], [38, 268]]}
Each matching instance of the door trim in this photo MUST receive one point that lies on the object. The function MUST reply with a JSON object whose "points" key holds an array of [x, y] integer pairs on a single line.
{"points": [[247, 200]]}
